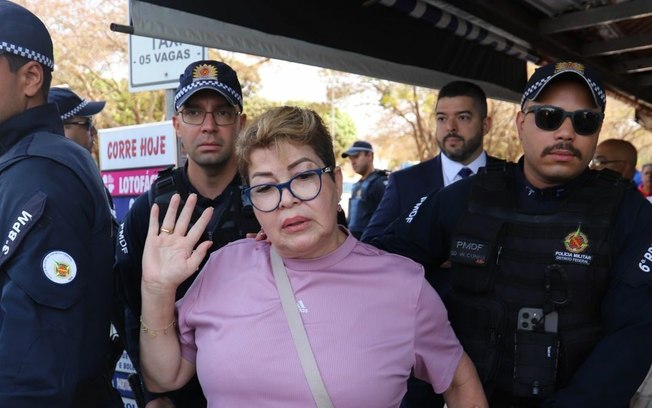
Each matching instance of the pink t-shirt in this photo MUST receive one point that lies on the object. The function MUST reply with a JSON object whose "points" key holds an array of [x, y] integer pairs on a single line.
{"points": [[370, 317]]}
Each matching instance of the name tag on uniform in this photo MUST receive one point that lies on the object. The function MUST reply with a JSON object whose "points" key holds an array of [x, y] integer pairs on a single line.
{"points": [[470, 252]]}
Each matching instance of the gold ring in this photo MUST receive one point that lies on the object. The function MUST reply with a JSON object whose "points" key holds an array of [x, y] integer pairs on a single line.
{"points": [[167, 230]]}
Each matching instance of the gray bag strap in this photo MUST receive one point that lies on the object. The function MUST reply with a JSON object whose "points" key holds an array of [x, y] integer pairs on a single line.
{"points": [[301, 342]]}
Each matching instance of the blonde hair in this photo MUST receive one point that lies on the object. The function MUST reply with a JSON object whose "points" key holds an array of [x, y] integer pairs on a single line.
{"points": [[292, 124]]}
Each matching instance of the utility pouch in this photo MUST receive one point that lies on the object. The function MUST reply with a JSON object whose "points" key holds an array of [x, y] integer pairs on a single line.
{"points": [[479, 324], [535, 363]]}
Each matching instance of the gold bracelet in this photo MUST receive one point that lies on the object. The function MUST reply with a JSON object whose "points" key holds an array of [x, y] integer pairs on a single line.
{"points": [[155, 332]]}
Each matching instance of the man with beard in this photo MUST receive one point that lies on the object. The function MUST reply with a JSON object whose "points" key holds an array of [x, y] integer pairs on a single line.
{"points": [[549, 260], [462, 122], [209, 115]]}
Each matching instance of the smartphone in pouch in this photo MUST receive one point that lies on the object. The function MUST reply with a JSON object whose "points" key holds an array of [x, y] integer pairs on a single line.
{"points": [[529, 318], [535, 353]]}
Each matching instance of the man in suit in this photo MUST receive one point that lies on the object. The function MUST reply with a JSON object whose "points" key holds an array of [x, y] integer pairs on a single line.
{"points": [[462, 122]]}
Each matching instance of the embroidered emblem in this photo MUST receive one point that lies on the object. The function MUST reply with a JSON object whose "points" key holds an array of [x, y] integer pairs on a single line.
{"points": [[565, 66], [59, 267], [204, 72], [576, 242]]}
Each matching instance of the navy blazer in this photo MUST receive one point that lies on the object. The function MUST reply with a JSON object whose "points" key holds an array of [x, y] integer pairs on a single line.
{"points": [[404, 190]]}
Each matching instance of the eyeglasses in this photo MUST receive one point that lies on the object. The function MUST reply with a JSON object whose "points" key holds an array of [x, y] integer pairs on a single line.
{"points": [[598, 162], [222, 117], [585, 121], [305, 186], [88, 123]]}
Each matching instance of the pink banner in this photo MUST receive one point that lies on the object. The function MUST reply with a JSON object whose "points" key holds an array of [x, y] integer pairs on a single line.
{"points": [[129, 182]]}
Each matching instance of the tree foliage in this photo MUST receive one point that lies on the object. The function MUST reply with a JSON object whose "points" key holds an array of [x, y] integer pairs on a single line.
{"points": [[92, 60], [406, 130]]}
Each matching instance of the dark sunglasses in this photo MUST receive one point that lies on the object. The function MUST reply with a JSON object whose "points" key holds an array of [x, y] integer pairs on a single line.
{"points": [[547, 117], [85, 123]]}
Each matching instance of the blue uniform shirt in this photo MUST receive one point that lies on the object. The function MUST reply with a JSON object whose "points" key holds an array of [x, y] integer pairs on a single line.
{"points": [[55, 266], [611, 374], [365, 197]]}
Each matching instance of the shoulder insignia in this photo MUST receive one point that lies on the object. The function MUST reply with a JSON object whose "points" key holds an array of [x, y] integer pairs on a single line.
{"points": [[59, 267]]}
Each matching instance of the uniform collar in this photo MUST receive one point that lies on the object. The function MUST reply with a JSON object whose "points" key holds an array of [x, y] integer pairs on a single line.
{"points": [[551, 193], [44, 118], [235, 183]]}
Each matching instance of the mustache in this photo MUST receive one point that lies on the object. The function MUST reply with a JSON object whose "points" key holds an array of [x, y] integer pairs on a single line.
{"points": [[562, 146], [453, 135]]}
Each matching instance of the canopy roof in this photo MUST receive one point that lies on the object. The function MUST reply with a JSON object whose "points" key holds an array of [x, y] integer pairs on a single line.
{"points": [[426, 42]]}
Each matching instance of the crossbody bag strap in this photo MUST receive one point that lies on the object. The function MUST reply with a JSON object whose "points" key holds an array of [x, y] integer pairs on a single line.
{"points": [[301, 342]]}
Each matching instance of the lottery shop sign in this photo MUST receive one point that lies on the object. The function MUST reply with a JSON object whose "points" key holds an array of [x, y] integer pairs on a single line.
{"points": [[139, 146]]}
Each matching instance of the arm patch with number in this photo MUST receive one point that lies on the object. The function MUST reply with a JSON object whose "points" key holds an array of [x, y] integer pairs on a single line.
{"points": [[20, 225]]}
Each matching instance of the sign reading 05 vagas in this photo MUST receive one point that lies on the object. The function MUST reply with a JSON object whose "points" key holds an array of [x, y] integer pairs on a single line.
{"points": [[156, 64]]}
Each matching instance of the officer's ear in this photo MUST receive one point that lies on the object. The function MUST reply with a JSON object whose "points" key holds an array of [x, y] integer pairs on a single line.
{"points": [[31, 77], [520, 118], [243, 120]]}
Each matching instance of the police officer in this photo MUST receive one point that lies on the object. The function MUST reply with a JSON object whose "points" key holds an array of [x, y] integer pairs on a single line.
{"points": [[550, 261], [77, 116], [368, 191], [57, 249], [208, 118]]}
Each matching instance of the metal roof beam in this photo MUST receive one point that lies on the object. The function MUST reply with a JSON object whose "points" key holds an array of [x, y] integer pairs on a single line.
{"points": [[596, 16], [633, 66], [644, 80], [619, 46]]}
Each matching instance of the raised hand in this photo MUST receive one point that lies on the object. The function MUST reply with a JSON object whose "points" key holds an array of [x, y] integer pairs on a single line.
{"points": [[168, 257]]}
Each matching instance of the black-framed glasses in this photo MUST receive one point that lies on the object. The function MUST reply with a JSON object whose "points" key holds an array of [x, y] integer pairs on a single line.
{"points": [[222, 117], [305, 186], [599, 162], [585, 121], [88, 123]]}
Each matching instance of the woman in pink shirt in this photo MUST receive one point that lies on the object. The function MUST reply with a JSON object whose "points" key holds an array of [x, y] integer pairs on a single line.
{"points": [[370, 316]]}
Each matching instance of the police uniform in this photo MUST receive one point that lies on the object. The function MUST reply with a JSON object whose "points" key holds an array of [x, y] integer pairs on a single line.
{"points": [[365, 197], [56, 267], [230, 222], [576, 258]]}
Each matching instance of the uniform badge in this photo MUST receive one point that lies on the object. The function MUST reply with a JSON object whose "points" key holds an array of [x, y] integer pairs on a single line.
{"points": [[569, 66], [59, 267], [575, 244], [204, 72]]}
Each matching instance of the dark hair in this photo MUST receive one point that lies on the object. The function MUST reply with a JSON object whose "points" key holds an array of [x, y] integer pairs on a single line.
{"points": [[16, 62], [286, 123], [464, 88]]}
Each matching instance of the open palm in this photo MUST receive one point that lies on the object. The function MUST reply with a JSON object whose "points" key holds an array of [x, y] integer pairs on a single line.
{"points": [[168, 257]]}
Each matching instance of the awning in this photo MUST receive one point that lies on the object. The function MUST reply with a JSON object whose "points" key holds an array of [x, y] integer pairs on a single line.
{"points": [[345, 35], [425, 42]]}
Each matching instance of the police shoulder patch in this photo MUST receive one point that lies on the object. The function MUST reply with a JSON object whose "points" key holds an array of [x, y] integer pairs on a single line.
{"points": [[59, 267]]}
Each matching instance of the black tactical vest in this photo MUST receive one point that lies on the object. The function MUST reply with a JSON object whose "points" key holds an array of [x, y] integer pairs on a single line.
{"points": [[526, 286], [231, 220]]}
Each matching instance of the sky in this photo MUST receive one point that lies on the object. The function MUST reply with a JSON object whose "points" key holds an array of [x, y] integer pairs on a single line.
{"points": [[282, 81]]}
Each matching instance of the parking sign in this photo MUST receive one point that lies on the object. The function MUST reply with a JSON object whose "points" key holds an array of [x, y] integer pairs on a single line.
{"points": [[156, 64]]}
